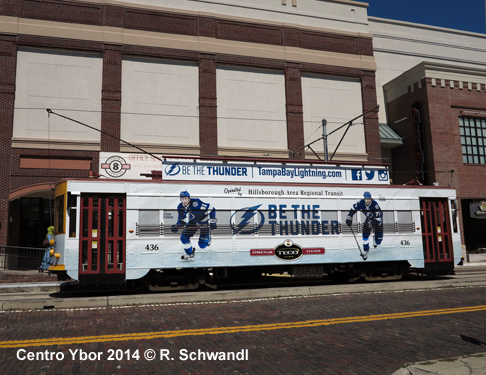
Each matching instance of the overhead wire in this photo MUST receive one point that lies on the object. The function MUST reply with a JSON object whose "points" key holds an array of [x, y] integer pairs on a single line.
{"points": [[176, 115]]}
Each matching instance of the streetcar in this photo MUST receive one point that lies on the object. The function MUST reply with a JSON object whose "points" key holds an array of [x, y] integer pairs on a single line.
{"points": [[122, 233]]}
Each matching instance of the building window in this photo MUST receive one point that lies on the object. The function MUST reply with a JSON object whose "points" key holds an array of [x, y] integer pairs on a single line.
{"points": [[473, 140]]}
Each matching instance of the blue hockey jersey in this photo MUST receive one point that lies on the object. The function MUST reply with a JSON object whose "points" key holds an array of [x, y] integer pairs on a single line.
{"points": [[373, 212], [196, 212]]}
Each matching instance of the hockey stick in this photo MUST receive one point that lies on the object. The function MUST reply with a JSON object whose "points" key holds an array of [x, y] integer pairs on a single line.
{"points": [[363, 255]]}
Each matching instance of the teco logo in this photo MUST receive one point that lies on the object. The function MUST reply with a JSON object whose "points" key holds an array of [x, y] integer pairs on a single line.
{"points": [[288, 251]]}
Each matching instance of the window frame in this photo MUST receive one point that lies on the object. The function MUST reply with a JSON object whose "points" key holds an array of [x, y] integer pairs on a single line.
{"points": [[473, 140]]}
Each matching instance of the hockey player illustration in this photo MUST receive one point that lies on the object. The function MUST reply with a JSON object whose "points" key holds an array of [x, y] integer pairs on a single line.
{"points": [[194, 214], [373, 220]]}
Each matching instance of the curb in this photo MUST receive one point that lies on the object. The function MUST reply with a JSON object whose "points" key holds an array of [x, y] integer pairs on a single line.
{"points": [[35, 301]]}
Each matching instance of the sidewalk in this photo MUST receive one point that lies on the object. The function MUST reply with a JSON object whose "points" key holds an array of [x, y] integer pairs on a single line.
{"points": [[475, 259], [25, 276], [27, 281], [474, 364]]}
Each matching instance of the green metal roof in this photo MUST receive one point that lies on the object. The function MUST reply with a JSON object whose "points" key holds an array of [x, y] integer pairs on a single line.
{"points": [[387, 135]]}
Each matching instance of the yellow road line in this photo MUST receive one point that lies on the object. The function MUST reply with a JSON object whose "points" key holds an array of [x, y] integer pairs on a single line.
{"points": [[236, 329]]}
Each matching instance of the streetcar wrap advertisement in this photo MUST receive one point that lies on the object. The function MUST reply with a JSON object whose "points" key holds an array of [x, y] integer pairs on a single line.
{"points": [[139, 166], [190, 170]]}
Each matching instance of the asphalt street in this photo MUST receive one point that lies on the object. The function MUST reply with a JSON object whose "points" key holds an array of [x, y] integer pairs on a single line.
{"points": [[377, 328]]}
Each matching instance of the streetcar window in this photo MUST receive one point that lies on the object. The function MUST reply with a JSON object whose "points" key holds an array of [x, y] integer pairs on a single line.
{"points": [[110, 256], [405, 221], [329, 223], [59, 214], [148, 217], [84, 255], [121, 229], [223, 223], [454, 215], [111, 223], [72, 214], [148, 223], [85, 220], [71, 202], [329, 216], [120, 255]]}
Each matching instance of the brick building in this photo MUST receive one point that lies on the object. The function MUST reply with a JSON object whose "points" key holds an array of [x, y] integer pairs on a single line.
{"points": [[440, 112], [215, 78], [208, 79]]}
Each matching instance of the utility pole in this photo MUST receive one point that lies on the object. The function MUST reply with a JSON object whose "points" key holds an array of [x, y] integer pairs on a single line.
{"points": [[324, 137]]}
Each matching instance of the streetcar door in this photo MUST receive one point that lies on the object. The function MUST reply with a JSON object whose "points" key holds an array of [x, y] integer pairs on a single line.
{"points": [[102, 239], [436, 234]]}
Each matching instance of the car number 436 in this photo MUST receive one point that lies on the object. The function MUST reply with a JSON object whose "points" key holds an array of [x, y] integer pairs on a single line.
{"points": [[405, 243]]}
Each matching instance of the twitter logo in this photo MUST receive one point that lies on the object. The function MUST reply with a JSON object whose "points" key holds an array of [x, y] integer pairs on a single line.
{"points": [[370, 175]]}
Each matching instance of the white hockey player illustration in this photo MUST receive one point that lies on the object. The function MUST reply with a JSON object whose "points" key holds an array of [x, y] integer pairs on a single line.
{"points": [[194, 214], [373, 220]]}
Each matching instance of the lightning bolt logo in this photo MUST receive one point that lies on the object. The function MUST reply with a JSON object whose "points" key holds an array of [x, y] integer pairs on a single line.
{"points": [[243, 218], [172, 170]]}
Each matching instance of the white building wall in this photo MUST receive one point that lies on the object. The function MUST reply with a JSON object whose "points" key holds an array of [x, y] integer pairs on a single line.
{"points": [[399, 46], [160, 102], [342, 15], [251, 109], [69, 83], [337, 100]]}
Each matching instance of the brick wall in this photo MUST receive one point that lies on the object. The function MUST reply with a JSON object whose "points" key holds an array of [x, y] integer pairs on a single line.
{"points": [[295, 113], [372, 130], [20, 177], [8, 61], [184, 24], [195, 25], [400, 120], [208, 132], [446, 105], [441, 106], [111, 98], [167, 22]]}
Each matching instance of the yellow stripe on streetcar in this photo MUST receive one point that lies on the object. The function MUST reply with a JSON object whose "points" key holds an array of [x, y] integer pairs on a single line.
{"points": [[237, 329]]}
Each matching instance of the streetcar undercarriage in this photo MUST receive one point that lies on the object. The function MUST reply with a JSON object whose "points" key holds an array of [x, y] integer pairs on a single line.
{"points": [[168, 280]]}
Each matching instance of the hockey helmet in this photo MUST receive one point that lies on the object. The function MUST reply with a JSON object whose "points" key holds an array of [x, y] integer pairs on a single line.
{"points": [[367, 195], [185, 194]]}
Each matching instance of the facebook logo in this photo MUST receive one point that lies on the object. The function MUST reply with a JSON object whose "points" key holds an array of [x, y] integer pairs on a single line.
{"points": [[357, 174]]}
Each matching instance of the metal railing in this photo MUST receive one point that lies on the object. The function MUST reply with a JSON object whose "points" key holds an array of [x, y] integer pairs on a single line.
{"points": [[20, 258]]}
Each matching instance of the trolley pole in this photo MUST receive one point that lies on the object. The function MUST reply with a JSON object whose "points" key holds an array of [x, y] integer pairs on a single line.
{"points": [[324, 138]]}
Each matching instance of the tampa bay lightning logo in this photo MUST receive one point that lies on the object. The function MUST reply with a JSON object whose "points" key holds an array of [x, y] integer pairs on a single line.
{"points": [[172, 169], [242, 220]]}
